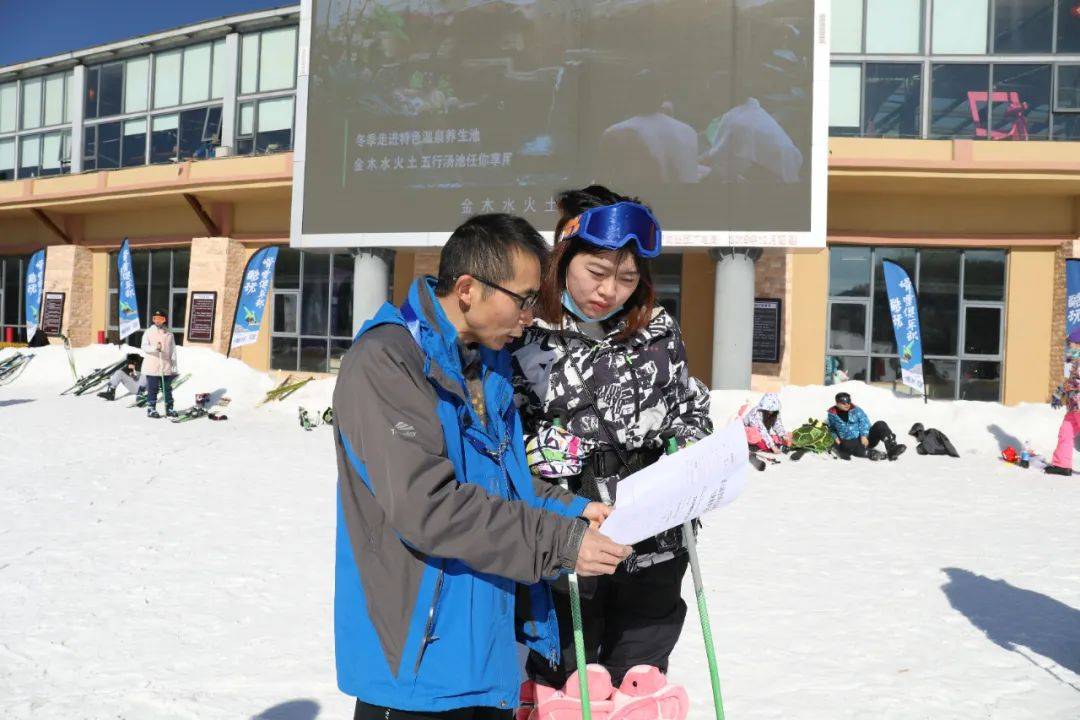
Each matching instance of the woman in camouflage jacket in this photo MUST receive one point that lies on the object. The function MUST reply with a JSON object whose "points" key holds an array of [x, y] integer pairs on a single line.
{"points": [[603, 385]]}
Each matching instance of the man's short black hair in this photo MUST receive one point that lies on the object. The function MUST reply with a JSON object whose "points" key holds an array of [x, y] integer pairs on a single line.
{"points": [[484, 246]]}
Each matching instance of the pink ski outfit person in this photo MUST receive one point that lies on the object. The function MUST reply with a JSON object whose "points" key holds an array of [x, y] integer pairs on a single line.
{"points": [[1061, 463]]}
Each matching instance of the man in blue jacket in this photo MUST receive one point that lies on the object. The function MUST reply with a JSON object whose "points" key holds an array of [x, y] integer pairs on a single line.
{"points": [[854, 435], [443, 535]]}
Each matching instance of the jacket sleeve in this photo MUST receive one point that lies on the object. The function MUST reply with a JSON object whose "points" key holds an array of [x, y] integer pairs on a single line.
{"points": [[146, 346], [687, 399], [758, 420], [863, 423], [386, 416]]}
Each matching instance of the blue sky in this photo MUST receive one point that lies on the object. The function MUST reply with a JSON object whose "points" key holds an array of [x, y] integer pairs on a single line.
{"points": [[38, 28]]}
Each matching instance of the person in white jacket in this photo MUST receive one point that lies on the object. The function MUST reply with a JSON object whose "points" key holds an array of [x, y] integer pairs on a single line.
{"points": [[159, 365]]}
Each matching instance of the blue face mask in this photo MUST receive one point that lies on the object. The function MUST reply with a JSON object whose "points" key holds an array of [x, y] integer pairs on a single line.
{"points": [[569, 304]]}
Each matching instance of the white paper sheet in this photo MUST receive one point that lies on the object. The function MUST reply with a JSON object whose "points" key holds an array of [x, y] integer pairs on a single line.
{"points": [[694, 481]]}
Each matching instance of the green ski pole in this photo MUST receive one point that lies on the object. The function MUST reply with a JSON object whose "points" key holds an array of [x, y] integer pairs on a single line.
{"points": [[579, 636], [703, 610]]}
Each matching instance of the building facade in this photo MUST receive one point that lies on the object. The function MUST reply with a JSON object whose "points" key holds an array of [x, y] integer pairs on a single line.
{"points": [[954, 151]]}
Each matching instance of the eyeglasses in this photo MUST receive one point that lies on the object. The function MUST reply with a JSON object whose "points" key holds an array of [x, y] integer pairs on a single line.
{"points": [[525, 302]]}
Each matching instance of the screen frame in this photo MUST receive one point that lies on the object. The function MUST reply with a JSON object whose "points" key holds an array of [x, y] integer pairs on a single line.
{"points": [[819, 152]]}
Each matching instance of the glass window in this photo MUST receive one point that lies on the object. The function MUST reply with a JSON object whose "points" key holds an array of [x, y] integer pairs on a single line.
{"points": [[341, 296], [90, 106], [939, 301], [164, 139], [982, 330], [883, 337], [959, 27], [1023, 26], [338, 348], [847, 22], [136, 84], [111, 90], [283, 352], [167, 79], [984, 275], [90, 148], [134, 146], [30, 156], [277, 59], [315, 294], [247, 118], [9, 94], [893, 100], [285, 315], [52, 147], [1068, 89], [1068, 34], [847, 326], [845, 89], [849, 272], [960, 101], [848, 367], [1021, 102], [220, 71], [54, 100], [980, 380], [249, 63], [1066, 127], [274, 125], [287, 269], [940, 378], [200, 131], [196, 74], [893, 26], [313, 355], [108, 146], [7, 159], [31, 104]]}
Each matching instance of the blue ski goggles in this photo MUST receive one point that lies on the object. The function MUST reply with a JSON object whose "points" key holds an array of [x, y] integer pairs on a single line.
{"points": [[611, 227]]}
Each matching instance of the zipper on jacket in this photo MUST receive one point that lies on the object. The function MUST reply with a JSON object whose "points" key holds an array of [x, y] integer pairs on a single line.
{"points": [[430, 625]]}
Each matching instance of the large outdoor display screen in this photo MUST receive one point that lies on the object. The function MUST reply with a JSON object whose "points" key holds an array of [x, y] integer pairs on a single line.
{"points": [[420, 113]]}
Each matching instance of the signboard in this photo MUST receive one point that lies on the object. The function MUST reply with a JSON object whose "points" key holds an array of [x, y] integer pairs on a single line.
{"points": [[413, 115], [767, 327], [35, 283], [52, 317], [128, 319], [258, 276], [904, 309], [201, 317]]}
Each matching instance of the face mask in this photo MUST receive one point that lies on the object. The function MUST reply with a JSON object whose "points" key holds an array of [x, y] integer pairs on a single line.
{"points": [[569, 304]]}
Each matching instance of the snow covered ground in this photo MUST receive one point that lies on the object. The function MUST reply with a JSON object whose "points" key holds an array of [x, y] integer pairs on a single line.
{"points": [[153, 570]]}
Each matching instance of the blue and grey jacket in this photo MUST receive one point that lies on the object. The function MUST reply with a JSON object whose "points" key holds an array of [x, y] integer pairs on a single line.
{"points": [[855, 426], [441, 529]]}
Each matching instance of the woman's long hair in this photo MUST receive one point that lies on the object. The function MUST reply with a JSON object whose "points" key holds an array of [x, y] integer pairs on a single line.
{"points": [[638, 308]]}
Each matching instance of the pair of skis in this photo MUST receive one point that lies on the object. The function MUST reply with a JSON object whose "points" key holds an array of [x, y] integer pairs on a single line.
{"points": [[13, 366], [703, 614], [90, 382], [308, 421], [283, 390], [203, 407]]}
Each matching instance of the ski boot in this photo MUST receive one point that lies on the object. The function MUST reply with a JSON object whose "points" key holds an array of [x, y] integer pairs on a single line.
{"points": [[893, 449], [757, 462], [153, 413], [875, 455], [841, 452], [108, 393], [170, 413], [645, 694], [797, 454], [1057, 470]]}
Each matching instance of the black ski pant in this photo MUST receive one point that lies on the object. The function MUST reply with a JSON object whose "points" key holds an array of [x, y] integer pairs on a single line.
{"points": [[879, 433], [153, 382], [375, 712], [631, 619]]}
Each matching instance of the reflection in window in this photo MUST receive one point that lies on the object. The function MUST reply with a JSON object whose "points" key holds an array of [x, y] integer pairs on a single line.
{"points": [[1021, 102], [980, 380], [110, 89], [959, 104], [845, 87], [7, 159], [940, 377], [1068, 34], [984, 275], [1023, 26], [274, 125], [31, 104], [847, 24], [200, 132], [54, 100], [30, 156], [847, 326], [164, 139], [136, 84], [134, 145], [849, 272], [893, 100], [167, 78], [939, 300], [196, 74], [9, 101], [277, 59], [959, 27], [982, 330], [1068, 89], [108, 146], [893, 26]]}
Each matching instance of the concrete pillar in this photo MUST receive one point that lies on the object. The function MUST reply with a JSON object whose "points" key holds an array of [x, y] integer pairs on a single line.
{"points": [[228, 108], [77, 103], [217, 264], [733, 317], [371, 284], [69, 269]]}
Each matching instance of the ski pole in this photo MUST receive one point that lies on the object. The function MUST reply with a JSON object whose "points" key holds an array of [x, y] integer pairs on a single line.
{"points": [[579, 647], [703, 610]]}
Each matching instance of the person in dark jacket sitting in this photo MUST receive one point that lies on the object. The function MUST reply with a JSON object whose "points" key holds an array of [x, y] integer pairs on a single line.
{"points": [[932, 441], [856, 436]]}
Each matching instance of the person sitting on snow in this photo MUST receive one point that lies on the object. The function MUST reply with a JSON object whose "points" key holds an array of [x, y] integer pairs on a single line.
{"points": [[932, 441], [128, 376], [764, 431], [856, 436]]}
